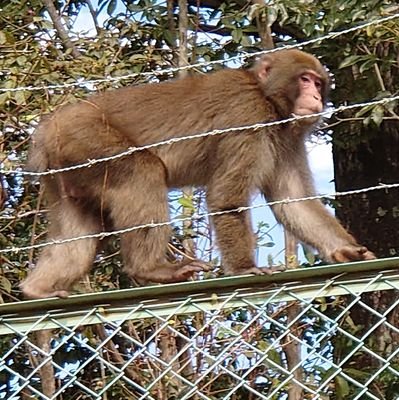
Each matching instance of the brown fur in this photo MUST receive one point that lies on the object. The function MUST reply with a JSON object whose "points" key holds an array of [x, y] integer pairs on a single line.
{"points": [[133, 190]]}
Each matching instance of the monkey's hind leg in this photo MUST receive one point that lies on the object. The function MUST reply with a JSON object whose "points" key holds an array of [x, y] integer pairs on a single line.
{"points": [[61, 265], [139, 196]]}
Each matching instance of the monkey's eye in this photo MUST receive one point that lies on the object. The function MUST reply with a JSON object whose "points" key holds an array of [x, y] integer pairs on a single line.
{"points": [[317, 83], [305, 78]]}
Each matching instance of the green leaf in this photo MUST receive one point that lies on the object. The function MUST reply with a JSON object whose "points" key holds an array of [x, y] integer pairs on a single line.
{"points": [[272, 15], [341, 387], [3, 38], [356, 373], [249, 354], [368, 64], [169, 37], [186, 203], [6, 37], [3, 98], [309, 255], [263, 345], [19, 97], [138, 57], [284, 16], [5, 284], [377, 115], [323, 304], [351, 60], [274, 355], [363, 111], [47, 24], [236, 34], [112, 7], [267, 244], [21, 61], [354, 328]]}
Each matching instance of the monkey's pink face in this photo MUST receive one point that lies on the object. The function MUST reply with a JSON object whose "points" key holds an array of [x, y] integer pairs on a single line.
{"points": [[310, 99]]}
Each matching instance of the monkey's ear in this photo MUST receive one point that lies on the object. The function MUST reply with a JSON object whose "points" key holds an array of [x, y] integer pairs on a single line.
{"points": [[262, 69]]}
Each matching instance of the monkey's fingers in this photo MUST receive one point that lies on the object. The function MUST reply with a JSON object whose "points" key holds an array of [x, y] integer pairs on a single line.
{"points": [[278, 268], [63, 294], [250, 271], [202, 264], [186, 272], [272, 269], [368, 255]]}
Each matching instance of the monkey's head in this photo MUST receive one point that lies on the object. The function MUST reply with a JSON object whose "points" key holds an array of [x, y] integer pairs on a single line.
{"points": [[293, 81]]}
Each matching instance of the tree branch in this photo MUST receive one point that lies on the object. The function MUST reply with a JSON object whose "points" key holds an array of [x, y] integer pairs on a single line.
{"points": [[292, 348], [93, 15], [47, 376], [262, 25], [59, 27]]}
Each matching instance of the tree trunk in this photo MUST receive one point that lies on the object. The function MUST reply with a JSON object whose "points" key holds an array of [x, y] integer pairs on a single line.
{"points": [[372, 217], [367, 156]]}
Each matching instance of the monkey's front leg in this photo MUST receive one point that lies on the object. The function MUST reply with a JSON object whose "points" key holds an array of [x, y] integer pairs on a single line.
{"points": [[237, 243], [309, 220]]}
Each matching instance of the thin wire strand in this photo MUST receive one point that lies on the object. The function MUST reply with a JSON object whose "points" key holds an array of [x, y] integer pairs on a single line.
{"points": [[204, 134], [214, 132], [102, 235], [173, 70]]}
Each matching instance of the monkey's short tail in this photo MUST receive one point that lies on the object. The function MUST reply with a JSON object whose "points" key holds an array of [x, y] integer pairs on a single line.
{"points": [[38, 159]]}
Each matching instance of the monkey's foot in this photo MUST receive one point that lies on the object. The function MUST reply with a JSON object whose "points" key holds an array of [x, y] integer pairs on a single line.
{"points": [[256, 270], [31, 292]]}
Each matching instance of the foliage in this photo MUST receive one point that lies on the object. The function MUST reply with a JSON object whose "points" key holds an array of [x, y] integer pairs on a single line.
{"points": [[126, 37]]}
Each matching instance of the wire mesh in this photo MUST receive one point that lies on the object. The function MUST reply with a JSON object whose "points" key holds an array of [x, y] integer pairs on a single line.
{"points": [[228, 338]]}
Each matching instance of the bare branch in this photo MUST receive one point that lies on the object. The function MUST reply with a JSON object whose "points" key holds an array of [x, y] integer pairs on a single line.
{"points": [[93, 15], [62, 32], [47, 376], [262, 25], [293, 349]]}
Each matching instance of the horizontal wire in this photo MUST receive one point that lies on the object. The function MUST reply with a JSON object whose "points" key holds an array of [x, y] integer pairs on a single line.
{"points": [[214, 132], [200, 64], [204, 134], [194, 217]]}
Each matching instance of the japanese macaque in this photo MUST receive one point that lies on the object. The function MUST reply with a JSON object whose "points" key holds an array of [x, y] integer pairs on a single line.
{"points": [[231, 167]]}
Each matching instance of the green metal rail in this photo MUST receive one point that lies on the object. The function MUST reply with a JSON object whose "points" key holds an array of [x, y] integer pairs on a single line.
{"points": [[227, 292]]}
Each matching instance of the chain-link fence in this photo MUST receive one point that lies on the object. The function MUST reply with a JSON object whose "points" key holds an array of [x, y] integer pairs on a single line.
{"points": [[327, 332]]}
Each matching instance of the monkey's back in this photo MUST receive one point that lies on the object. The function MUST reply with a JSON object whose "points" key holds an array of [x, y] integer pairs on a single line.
{"points": [[108, 123]]}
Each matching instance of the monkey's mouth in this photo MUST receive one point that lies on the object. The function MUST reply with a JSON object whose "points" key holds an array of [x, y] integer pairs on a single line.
{"points": [[308, 104], [307, 110]]}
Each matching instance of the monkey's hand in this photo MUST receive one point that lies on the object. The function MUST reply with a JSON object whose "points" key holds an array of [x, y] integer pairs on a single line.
{"points": [[185, 272], [352, 252]]}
